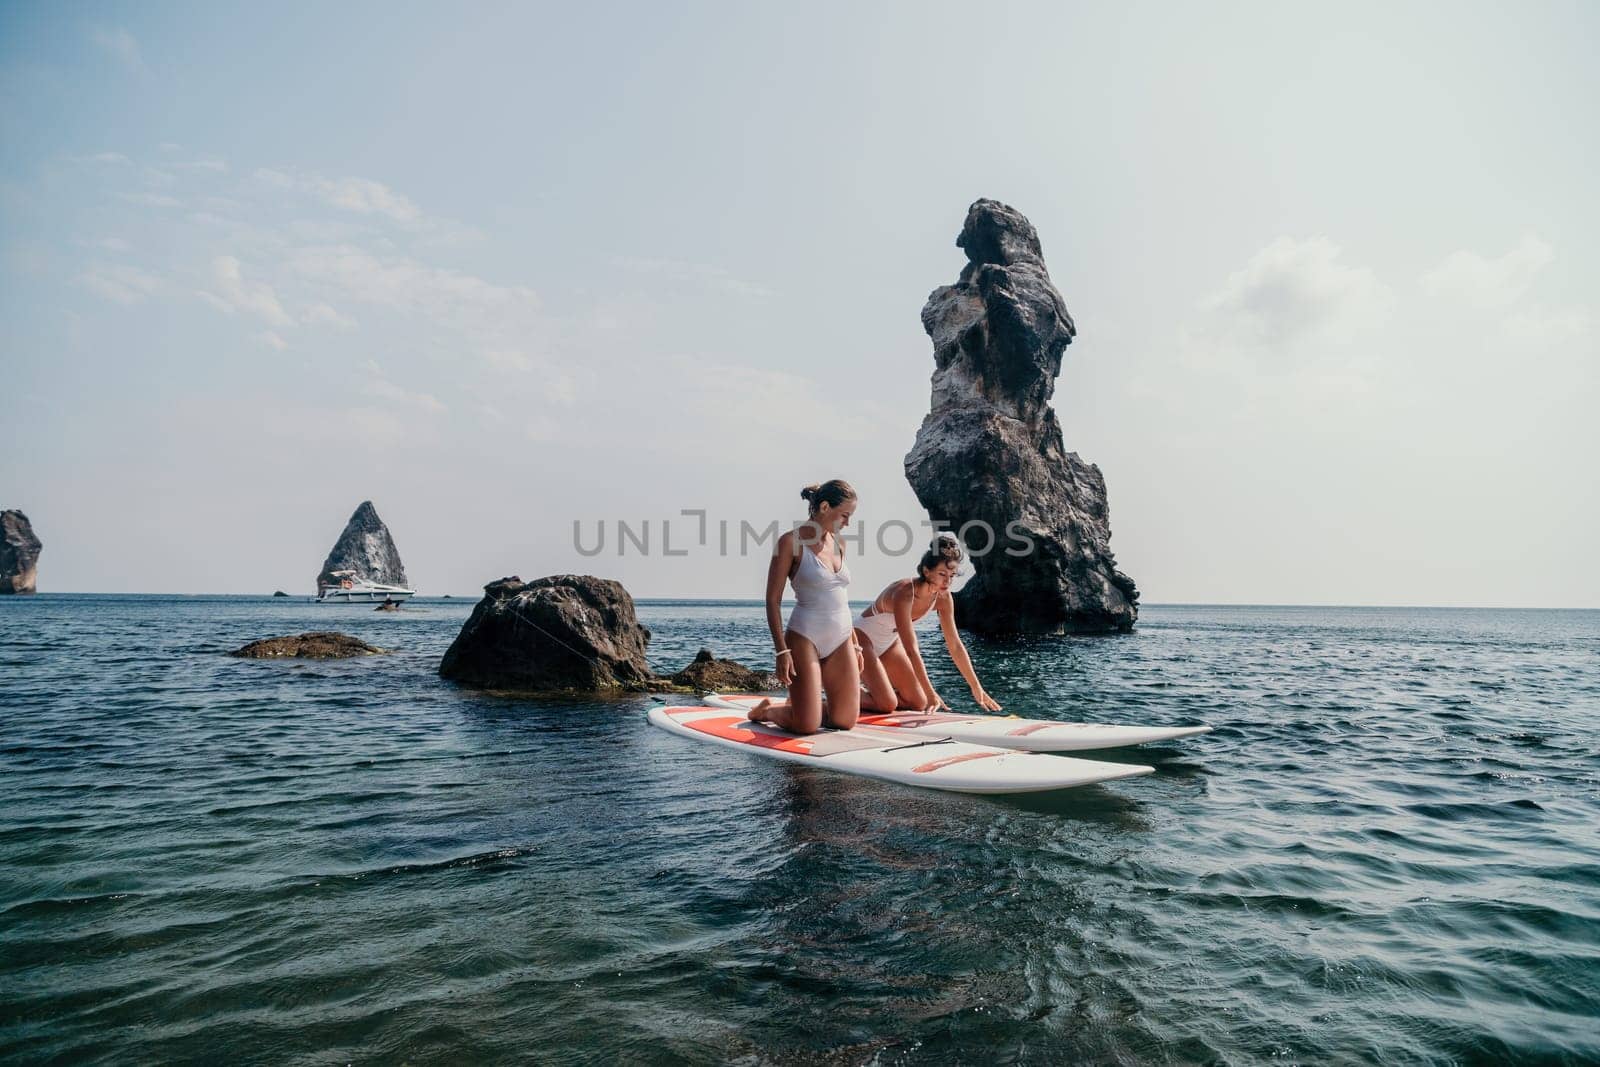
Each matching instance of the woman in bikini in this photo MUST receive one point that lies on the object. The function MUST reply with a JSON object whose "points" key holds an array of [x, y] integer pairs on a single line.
{"points": [[892, 666], [817, 654]]}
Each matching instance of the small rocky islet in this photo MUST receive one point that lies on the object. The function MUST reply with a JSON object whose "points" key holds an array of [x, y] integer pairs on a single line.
{"points": [[19, 554], [366, 549], [319, 644]]}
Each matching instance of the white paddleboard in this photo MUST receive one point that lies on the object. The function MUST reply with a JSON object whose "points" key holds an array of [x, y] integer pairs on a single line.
{"points": [[931, 762], [1000, 731]]}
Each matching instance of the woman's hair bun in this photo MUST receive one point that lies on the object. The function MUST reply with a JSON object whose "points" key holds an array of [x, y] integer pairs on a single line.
{"points": [[945, 548], [833, 493]]}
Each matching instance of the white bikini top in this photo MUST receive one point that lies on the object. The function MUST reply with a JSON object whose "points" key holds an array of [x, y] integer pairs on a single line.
{"points": [[883, 622]]}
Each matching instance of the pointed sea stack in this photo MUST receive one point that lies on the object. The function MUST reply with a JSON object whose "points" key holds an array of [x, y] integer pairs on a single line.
{"points": [[19, 554], [365, 548], [989, 461]]}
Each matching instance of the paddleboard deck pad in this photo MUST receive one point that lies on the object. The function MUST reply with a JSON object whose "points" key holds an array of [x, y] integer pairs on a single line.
{"points": [[924, 759], [1000, 731]]}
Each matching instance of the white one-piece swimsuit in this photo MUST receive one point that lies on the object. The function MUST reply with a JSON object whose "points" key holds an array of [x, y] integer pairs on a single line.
{"points": [[821, 603]]}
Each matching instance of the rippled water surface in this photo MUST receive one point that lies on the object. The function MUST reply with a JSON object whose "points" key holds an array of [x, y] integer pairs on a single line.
{"points": [[1387, 851]]}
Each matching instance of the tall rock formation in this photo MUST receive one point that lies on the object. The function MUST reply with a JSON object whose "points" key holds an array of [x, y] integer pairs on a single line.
{"points": [[19, 554], [989, 461], [365, 548]]}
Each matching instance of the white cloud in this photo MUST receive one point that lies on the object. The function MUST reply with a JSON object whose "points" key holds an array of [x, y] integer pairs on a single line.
{"points": [[1502, 287], [234, 293], [378, 385], [271, 339], [151, 199], [115, 244], [361, 195], [770, 403], [366, 197], [377, 428], [1542, 327], [699, 274], [120, 45], [326, 315], [449, 297], [119, 283], [1292, 289], [1497, 282], [509, 359]]}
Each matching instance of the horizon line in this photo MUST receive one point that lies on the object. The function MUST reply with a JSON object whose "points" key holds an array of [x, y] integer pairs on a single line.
{"points": [[475, 596]]}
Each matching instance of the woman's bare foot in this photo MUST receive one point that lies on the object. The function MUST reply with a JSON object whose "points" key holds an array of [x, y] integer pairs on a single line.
{"points": [[759, 712]]}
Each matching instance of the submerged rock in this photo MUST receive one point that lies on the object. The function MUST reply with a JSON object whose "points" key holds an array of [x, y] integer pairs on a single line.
{"points": [[321, 644], [564, 633], [709, 674], [364, 550], [990, 451], [19, 554]]}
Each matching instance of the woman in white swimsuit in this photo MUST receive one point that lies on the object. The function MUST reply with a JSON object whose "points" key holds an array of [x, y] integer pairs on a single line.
{"points": [[818, 653], [892, 667]]}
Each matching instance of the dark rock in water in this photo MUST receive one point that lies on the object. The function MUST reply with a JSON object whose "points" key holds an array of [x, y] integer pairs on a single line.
{"points": [[564, 633], [365, 550], [990, 452], [709, 674], [322, 644], [279, 593], [19, 554], [573, 633]]}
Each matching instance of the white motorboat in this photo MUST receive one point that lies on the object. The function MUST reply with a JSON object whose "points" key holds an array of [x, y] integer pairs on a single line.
{"points": [[353, 589]]}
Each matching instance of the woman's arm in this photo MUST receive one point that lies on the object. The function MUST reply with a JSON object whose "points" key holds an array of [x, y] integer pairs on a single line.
{"points": [[908, 639], [777, 574], [958, 652]]}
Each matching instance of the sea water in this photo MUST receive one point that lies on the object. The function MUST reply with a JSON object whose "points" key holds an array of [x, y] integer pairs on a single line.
{"points": [[1387, 851]]}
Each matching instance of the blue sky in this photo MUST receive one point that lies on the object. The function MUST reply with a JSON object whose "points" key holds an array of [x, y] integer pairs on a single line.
{"points": [[508, 268]]}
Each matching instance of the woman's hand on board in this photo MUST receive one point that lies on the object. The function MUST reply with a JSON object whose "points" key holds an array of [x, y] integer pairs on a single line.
{"points": [[785, 670], [985, 701]]}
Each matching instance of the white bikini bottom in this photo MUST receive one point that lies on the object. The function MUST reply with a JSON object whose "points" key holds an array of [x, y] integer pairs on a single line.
{"points": [[880, 629]]}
